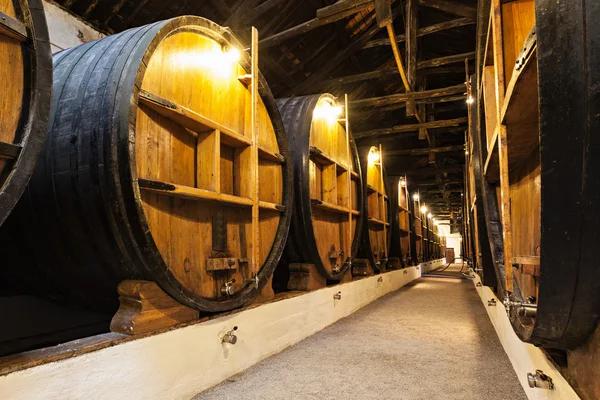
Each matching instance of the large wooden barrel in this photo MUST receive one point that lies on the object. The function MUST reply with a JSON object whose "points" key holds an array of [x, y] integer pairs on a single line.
{"points": [[26, 71], [326, 223], [148, 173], [541, 188], [376, 236], [401, 243]]}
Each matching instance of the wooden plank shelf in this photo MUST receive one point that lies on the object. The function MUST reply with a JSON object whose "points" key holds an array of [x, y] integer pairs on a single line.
{"points": [[12, 28], [371, 189], [354, 175], [190, 193], [378, 221], [492, 163], [196, 123], [324, 159], [9, 151], [520, 111], [323, 205]]}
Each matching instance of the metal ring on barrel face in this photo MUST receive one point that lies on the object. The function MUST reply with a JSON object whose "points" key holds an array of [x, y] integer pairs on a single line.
{"points": [[189, 141]]}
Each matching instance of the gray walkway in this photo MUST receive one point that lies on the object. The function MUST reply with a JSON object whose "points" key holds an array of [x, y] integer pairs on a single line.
{"points": [[429, 340]]}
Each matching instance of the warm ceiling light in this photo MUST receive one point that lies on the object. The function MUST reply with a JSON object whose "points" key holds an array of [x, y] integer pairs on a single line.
{"points": [[470, 100], [374, 156], [415, 197], [429, 215], [423, 209], [233, 55], [327, 111], [403, 183], [436, 222]]}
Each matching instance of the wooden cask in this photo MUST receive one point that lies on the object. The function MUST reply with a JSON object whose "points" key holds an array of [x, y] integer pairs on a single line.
{"points": [[328, 192], [26, 71], [541, 180], [376, 235], [401, 243], [149, 173]]}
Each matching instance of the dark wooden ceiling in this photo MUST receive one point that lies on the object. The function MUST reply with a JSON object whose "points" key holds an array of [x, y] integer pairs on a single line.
{"points": [[344, 50]]}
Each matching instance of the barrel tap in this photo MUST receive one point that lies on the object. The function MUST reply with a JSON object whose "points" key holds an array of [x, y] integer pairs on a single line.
{"points": [[227, 288], [254, 280]]}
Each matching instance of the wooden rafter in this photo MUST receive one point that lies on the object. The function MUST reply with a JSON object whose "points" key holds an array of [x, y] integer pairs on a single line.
{"points": [[402, 97], [416, 152], [452, 7]]}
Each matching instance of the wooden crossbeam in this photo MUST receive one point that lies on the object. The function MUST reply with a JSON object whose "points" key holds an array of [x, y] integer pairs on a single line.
{"points": [[9, 151], [402, 97], [341, 6], [12, 27], [455, 58], [310, 25], [421, 151], [411, 127], [451, 7], [455, 23]]}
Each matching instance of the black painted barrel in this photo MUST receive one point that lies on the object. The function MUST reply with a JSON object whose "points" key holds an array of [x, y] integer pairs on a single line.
{"points": [[326, 222], [376, 235], [26, 70], [148, 173], [400, 255]]}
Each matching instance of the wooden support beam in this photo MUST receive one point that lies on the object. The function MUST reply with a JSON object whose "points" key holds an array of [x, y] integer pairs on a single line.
{"points": [[428, 171], [402, 97], [310, 25], [398, 58], [337, 60], [411, 127], [258, 11], [451, 7], [455, 23], [455, 58], [411, 53], [383, 12], [417, 152], [341, 6], [12, 27]]}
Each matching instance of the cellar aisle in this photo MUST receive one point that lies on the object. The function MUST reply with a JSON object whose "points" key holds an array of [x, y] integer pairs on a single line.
{"points": [[431, 339]]}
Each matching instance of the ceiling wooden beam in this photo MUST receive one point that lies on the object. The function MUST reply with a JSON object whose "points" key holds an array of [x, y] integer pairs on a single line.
{"points": [[342, 6], [411, 127], [310, 25], [455, 23], [455, 58], [402, 97], [427, 171], [452, 7], [421, 151]]}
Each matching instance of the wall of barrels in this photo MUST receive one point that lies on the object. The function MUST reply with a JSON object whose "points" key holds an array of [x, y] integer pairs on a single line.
{"points": [[532, 181], [149, 178]]}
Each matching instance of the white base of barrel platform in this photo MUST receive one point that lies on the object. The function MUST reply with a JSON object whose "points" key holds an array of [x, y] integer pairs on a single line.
{"points": [[429, 266], [180, 363], [524, 357]]}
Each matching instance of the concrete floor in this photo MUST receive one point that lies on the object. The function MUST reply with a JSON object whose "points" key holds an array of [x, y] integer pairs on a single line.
{"points": [[430, 340]]}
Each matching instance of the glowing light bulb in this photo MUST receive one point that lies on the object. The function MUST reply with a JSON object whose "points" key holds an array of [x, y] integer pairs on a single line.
{"points": [[374, 156], [327, 111], [403, 183], [470, 100], [233, 55], [415, 197], [423, 209], [429, 215]]}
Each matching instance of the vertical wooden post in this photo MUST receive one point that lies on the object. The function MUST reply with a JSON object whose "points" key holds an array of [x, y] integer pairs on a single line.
{"points": [[255, 133], [502, 142], [383, 208], [349, 180], [411, 51]]}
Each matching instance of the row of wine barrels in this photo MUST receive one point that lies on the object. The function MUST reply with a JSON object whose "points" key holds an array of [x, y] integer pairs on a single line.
{"points": [[26, 71], [153, 170], [555, 188], [401, 242], [328, 191], [376, 237]]}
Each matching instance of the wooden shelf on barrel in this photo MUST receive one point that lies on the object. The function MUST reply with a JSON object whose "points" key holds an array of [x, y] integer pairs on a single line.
{"points": [[520, 116]]}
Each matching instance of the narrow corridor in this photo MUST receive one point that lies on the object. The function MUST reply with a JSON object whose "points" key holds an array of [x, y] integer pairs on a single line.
{"points": [[430, 340]]}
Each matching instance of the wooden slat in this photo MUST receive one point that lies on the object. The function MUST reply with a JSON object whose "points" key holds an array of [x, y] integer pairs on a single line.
{"points": [[411, 127], [12, 28], [342, 6], [397, 57], [9, 151], [442, 26], [383, 12], [403, 97], [455, 58], [452, 7], [415, 152], [192, 120], [324, 205], [190, 193], [378, 222]]}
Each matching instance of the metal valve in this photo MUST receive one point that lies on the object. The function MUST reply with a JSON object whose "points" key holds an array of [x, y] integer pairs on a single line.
{"points": [[230, 337], [337, 296], [526, 309], [540, 380], [227, 288], [342, 254], [336, 269], [254, 281]]}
